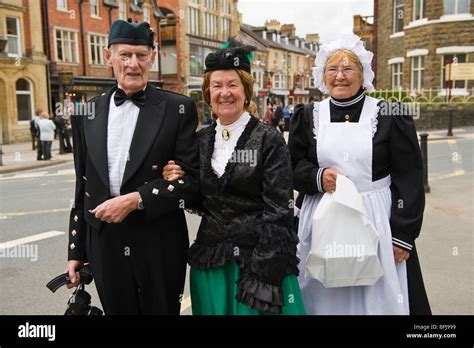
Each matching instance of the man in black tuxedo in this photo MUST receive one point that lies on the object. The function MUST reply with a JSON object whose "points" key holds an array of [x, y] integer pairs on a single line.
{"points": [[127, 221]]}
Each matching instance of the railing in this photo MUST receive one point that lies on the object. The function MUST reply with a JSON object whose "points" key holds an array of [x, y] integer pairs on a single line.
{"points": [[424, 96]]}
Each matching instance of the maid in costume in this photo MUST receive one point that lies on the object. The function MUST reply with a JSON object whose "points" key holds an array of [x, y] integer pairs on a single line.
{"points": [[355, 135], [243, 261]]}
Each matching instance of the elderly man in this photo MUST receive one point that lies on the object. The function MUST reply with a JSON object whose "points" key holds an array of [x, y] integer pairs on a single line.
{"points": [[127, 221]]}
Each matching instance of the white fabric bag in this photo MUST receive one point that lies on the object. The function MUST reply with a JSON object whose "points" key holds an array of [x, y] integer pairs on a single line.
{"points": [[344, 242]]}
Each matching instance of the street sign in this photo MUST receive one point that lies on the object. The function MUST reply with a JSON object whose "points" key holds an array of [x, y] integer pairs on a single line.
{"points": [[461, 71], [65, 78]]}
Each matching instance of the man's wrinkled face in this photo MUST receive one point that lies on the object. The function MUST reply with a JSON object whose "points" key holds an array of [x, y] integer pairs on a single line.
{"points": [[131, 64]]}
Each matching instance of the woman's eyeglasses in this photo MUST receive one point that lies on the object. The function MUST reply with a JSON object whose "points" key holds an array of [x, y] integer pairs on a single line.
{"points": [[346, 71]]}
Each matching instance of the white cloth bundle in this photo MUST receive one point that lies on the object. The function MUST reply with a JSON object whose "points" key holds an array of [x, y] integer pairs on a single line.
{"points": [[344, 242]]}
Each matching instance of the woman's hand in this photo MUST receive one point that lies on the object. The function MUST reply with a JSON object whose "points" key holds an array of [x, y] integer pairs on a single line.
{"points": [[172, 171], [400, 254], [329, 180]]}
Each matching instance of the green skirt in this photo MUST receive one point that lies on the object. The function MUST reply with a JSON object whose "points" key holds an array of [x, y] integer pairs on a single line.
{"points": [[213, 292]]}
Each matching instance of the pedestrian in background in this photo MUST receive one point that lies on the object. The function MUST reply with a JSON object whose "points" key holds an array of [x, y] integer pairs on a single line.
{"points": [[62, 124], [34, 130], [277, 116], [268, 113], [252, 109], [46, 128]]}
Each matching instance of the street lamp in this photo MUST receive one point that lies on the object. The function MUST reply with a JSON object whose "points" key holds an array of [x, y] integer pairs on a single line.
{"points": [[159, 16]]}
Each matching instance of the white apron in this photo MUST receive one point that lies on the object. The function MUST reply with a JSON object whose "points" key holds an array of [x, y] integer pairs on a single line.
{"points": [[347, 148]]}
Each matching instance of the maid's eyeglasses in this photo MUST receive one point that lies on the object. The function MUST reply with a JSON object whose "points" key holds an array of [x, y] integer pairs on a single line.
{"points": [[346, 71]]}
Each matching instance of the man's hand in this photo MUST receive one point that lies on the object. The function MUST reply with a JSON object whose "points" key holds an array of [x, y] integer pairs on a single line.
{"points": [[329, 180], [400, 254], [172, 171], [75, 278], [116, 209]]}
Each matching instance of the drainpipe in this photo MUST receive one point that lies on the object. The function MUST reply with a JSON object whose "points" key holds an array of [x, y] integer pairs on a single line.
{"points": [[82, 39], [47, 48]]}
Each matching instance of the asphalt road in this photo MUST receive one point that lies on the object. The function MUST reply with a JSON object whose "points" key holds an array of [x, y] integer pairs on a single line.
{"points": [[35, 205]]}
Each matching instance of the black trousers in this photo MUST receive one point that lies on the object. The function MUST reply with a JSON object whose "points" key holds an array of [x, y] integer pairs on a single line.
{"points": [[64, 141], [39, 149], [127, 280], [46, 148]]}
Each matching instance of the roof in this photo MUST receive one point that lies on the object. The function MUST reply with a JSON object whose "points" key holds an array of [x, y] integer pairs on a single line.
{"points": [[253, 33]]}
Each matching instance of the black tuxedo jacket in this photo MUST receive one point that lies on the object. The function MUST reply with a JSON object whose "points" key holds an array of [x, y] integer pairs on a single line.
{"points": [[165, 130]]}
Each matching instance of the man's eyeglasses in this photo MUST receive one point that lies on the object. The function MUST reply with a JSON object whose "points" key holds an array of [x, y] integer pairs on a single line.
{"points": [[143, 57], [346, 71]]}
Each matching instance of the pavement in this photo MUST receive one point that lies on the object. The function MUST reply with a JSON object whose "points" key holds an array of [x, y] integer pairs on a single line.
{"points": [[21, 157]]}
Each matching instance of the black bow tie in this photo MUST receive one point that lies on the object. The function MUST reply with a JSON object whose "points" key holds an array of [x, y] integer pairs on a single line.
{"points": [[137, 98]]}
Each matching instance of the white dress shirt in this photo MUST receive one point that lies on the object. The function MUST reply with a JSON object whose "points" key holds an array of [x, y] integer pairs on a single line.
{"points": [[223, 149], [120, 129]]}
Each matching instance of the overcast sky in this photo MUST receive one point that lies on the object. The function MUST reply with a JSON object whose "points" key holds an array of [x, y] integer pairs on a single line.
{"points": [[328, 18]]}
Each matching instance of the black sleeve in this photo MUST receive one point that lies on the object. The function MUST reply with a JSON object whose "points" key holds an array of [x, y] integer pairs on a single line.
{"points": [[307, 176], [406, 169], [160, 196], [77, 223], [274, 256]]}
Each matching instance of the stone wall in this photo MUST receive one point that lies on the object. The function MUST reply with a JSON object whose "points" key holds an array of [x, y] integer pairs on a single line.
{"points": [[436, 116]]}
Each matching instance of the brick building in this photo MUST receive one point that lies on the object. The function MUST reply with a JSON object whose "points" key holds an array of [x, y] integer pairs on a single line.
{"points": [[415, 39], [76, 33], [23, 82], [206, 25]]}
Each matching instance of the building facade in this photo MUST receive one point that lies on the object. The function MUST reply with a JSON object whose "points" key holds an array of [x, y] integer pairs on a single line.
{"points": [[206, 25], [415, 40], [23, 82], [289, 61], [76, 33]]}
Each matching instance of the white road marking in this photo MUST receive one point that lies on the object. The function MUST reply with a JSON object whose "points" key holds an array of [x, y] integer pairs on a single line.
{"points": [[38, 174], [22, 213], [30, 239]]}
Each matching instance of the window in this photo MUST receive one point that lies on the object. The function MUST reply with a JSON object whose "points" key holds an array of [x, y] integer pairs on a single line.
{"points": [[122, 10], [226, 6], [225, 28], [193, 21], [279, 81], [397, 75], [97, 43], [211, 4], [398, 15], [454, 58], [417, 68], [196, 58], [13, 36], [24, 100], [210, 25], [66, 46], [418, 9], [94, 8], [146, 14], [61, 5], [456, 6]]}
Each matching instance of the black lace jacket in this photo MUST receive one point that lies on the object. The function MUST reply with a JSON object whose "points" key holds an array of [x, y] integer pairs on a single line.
{"points": [[248, 215]]}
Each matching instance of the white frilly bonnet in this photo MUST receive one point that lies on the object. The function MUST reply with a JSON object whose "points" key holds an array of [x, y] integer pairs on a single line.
{"points": [[345, 42]]}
